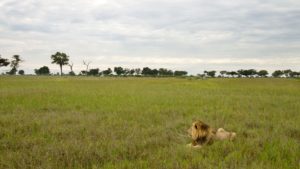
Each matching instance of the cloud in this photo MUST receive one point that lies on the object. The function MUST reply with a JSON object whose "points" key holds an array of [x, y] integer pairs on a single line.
{"points": [[189, 34]]}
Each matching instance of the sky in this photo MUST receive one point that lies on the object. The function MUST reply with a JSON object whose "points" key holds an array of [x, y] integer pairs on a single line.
{"points": [[191, 35]]}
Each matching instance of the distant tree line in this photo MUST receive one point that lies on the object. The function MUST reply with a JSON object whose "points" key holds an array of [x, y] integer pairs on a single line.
{"points": [[62, 59], [251, 73], [120, 71]]}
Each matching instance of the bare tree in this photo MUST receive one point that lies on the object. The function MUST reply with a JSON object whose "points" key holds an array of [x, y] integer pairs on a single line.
{"points": [[71, 66], [72, 73], [87, 63]]}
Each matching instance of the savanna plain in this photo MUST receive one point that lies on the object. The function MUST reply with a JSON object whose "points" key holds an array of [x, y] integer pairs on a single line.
{"points": [[93, 122]]}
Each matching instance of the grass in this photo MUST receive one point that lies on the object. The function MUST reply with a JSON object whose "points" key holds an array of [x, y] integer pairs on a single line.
{"points": [[86, 122]]}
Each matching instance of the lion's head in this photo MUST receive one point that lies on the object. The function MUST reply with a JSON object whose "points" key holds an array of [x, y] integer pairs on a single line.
{"points": [[201, 133]]}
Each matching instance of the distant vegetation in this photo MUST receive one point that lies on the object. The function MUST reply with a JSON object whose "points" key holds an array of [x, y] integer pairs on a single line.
{"points": [[42, 71], [62, 59]]}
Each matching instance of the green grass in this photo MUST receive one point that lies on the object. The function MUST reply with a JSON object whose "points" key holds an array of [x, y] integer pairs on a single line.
{"points": [[82, 122]]}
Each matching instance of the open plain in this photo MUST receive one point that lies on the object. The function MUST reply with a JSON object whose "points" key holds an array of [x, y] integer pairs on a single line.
{"points": [[93, 122]]}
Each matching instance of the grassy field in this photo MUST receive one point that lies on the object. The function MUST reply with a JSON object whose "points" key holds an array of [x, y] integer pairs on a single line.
{"points": [[82, 122]]}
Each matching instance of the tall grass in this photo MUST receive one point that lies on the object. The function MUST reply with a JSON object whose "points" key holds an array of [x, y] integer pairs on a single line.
{"points": [[82, 122]]}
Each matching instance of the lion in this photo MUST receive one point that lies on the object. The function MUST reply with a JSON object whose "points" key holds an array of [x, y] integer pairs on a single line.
{"points": [[202, 134]]}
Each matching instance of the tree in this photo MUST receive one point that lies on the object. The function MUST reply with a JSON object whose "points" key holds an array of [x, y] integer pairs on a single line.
{"points": [[14, 64], [119, 70], [71, 66], [154, 72], [21, 72], [149, 72], [262, 73], [287, 73], [223, 72], [107, 72], [247, 73], [251, 72], [87, 64], [294, 74], [60, 59], [138, 71], [83, 72], [242, 73], [210, 73], [146, 71], [232, 73], [126, 71], [42, 71], [3, 62], [180, 73], [71, 73], [277, 73], [201, 76], [93, 72], [13, 71], [165, 72], [131, 72]]}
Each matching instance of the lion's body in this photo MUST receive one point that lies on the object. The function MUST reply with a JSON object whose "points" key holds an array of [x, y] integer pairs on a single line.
{"points": [[222, 134]]}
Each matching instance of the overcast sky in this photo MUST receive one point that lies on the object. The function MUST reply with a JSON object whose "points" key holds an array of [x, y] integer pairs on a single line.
{"points": [[192, 35]]}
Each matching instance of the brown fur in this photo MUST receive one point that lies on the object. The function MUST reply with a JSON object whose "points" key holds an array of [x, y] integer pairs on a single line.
{"points": [[222, 134]]}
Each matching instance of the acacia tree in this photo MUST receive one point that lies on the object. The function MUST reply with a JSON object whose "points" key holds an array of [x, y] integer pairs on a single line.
{"points": [[3, 62], [262, 73], [60, 59], [232, 73], [210, 73], [277, 73], [107, 72], [119, 70], [223, 72], [287, 73], [14, 64], [180, 73]]}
